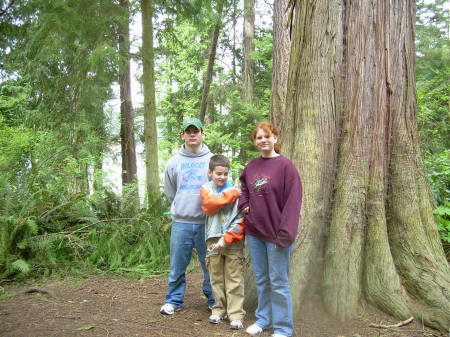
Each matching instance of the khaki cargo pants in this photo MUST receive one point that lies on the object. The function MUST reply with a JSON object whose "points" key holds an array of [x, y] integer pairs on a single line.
{"points": [[225, 268]]}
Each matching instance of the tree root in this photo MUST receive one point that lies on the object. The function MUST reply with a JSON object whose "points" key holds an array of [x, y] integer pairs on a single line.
{"points": [[39, 290], [409, 320]]}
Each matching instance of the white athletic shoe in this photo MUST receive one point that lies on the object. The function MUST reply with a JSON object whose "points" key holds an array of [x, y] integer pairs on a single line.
{"points": [[235, 325], [214, 319], [254, 330], [168, 309]]}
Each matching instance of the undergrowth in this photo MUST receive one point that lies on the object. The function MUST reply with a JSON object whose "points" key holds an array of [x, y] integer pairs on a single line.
{"points": [[42, 235]]}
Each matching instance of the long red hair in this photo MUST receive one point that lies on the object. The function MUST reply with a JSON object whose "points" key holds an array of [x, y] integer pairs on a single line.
{"points": [[271, 130]]}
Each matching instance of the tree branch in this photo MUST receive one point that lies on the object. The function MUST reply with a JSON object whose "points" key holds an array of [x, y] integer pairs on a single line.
{"points": [[409, 320]]}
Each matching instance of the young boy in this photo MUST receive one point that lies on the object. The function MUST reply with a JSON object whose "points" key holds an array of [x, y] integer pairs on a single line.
{"points": [[224, 233]]}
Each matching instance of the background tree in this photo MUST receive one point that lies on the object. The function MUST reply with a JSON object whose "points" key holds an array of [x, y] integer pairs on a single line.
{"points": [[148, 76], [207, 78], [127, 141], [248, 70], [249, 47], [350, 127]]}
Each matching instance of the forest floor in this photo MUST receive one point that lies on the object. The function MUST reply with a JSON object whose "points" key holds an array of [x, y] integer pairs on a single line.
{"points": [[114, 306]]}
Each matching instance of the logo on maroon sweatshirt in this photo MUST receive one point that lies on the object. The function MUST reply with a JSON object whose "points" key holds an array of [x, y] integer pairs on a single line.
{"points": [[260, 184]]}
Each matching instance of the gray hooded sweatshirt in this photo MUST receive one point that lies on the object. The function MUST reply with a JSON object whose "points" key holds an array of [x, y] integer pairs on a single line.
{"points": [[185, 173]]}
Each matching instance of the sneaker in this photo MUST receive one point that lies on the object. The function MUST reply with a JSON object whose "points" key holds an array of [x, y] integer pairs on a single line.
{"points": [[235, 325], [254, 330], [168, 309], [214, 319]]}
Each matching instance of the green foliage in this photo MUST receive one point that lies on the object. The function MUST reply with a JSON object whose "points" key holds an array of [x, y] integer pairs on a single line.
{"points": [[140, 245], [182, 48], [263, 62], [14, 231], [438, 167], [433, 72], [433, 95], [16, 144], [81, 233], [443, 215]]}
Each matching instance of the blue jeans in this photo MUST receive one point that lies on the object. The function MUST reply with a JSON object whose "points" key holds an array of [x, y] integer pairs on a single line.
{"points": [[183, 238], [271, 270]]}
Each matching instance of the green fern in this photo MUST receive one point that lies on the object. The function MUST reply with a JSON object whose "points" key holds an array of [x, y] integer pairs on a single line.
{"points": [[20, 266]]}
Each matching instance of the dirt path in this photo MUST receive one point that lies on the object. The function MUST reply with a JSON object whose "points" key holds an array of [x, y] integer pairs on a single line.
{"points": [[118, 307]]}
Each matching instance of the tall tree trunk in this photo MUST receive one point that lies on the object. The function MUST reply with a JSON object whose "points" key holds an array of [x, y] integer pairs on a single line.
{"points": [[127, 141], [280, 61], [207, 78], [350, 127], [248, 69], [150, 132], [249, 48], [234, 16]]}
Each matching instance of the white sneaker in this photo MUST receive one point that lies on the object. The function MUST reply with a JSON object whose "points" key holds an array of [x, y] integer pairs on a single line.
{"points": [[214, 319], [235, 325], [254, 330], [277, 335], [168, 309]]}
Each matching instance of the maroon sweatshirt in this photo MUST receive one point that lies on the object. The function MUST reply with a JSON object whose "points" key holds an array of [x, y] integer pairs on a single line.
{"points": [[272, 189]]}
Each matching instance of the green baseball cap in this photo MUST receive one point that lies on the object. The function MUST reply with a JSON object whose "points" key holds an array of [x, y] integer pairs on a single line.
{"points": [[192, 121]]}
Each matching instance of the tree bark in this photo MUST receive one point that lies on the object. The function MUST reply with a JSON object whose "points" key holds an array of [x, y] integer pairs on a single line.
{"points": [[249, 48], [128, 147], [150, 131], [248, 72], [367, 232], [207, 78], [280, 61]]}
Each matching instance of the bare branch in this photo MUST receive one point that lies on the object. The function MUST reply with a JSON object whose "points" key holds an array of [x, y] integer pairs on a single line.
{"points": [[409, 320]]}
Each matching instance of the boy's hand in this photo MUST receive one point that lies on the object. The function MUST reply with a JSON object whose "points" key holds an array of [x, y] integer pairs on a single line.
{"points": [[245, 210], [219, 244]]}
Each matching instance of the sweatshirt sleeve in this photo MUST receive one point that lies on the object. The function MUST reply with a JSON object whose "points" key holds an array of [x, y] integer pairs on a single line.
{"points": [[170, 182], [243, 199], [236, 232], [290, 215], [211, 203]]}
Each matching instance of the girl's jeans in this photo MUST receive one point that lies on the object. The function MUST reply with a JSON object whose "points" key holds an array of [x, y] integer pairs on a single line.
{"points": [[271, 269]]}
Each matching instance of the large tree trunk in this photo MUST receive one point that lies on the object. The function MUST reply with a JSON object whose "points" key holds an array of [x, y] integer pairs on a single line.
{"points": [[127, 141], [148, 79], [207, 78], [280, 61], [367, 231]]}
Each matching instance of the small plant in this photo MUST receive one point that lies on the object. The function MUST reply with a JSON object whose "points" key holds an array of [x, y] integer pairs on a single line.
{"points": [[442, 214]]}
